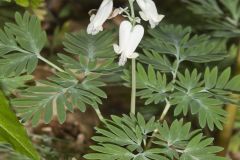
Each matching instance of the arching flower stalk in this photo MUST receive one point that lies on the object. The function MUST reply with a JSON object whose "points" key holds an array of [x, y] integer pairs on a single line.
{"points": [[130, 34]]}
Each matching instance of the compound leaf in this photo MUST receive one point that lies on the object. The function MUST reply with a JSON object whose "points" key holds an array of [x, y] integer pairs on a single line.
{"points": [[21, 44], [177, 41], [59, 93]]}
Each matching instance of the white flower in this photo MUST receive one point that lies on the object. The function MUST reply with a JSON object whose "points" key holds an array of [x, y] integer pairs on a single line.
{"points": [[149, 12], [129, 39], [97, 21]]}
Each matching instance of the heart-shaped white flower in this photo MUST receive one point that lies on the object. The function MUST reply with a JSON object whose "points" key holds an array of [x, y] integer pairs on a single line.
{"points": [[97, 21], [149, 12], [129, 39]]}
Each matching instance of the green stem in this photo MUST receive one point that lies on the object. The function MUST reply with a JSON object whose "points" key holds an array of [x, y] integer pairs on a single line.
{"points": [[132, 11], [174, 73], [168, 104], [50, 63], [133, 96], [99, 114], [165, 111]]}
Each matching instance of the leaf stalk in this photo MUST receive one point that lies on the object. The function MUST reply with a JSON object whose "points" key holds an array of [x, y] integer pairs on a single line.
{"points": [[50, 63]]}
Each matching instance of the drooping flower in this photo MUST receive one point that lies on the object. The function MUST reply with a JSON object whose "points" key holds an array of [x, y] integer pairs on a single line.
{"points": [[129, 39], [97, 21], [149, 12]]}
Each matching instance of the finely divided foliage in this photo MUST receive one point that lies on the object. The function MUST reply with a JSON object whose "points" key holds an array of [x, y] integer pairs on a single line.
{"points": [[179, 42], [60, 92], [152, 85], [127, 138], [21, 44], [10, 84], [161, 78], [222, 16], [201, 94], [94, 54], [76, 87]]}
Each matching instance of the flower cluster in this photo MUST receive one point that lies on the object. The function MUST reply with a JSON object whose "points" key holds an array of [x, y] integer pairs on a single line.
{"points": [[130, 35]]}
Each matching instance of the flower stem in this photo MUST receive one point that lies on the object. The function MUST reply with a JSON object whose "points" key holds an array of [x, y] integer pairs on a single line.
{"points": [[132, 11], [50, 63], [133, 96]]}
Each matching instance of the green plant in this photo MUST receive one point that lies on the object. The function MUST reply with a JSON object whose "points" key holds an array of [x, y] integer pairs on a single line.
{"points": [[222, 16], [13, 133], [163, 72], [223, 23]]}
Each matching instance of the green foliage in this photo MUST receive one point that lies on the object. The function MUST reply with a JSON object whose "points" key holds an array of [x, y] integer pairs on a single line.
{"points": [[222, 16], [78, 86], [11, 154], [173, 140], [122, 138], [130, 125], [153, 85], [159, 62], [13, 132], [178, 42], [20, 45], [28, 3], [59, 93], [203, 95], [200, 148], [178, 142], [99, 46], [194, 94], [127, 138], [24, 3], [94, 53], [89, 57], [45, 150], [12, 83]]}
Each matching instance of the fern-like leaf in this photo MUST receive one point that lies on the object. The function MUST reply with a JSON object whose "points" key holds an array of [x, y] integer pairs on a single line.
{"points": [[126, 138], [222, 16], [60, 93], [178, 42], [21, 44], [201, 94], [153, 86], [205, 95], [93, 54], [11, 83]]}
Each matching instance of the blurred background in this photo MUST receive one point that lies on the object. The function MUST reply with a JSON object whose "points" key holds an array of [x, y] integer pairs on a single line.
{"points": [[71, 140]]}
